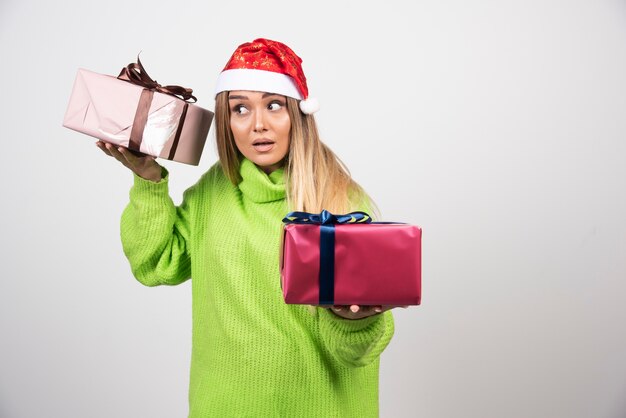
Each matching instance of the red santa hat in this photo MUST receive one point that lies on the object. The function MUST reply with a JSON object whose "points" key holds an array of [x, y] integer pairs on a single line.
{"points": [[269, 66]]}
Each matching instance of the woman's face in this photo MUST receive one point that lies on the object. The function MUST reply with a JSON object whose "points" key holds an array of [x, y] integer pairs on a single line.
{"points": [[260, 124]]}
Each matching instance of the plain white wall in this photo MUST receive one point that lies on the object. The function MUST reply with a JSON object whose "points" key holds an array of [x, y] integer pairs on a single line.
{"points": [[498, 126]]}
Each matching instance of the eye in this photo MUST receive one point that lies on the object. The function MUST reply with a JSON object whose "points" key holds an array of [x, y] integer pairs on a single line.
{"points": [[275, 105], [240, 109]]}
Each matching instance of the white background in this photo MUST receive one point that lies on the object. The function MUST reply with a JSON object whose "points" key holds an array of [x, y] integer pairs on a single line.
{"points": [[498, 126]]}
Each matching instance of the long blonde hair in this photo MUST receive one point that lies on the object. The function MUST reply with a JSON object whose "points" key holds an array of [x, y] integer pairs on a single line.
{"points": [[315, 178]]}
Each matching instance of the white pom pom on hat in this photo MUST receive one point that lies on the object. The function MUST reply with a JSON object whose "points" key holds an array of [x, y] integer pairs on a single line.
{"points": [[309, 106], [269, 66]]}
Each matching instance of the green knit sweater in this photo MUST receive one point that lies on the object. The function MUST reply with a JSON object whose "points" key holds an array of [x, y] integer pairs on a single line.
{"points": [[252, 354]]}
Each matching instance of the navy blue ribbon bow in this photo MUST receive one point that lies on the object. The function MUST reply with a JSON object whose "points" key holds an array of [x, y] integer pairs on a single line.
{"points": [[327, 222]]}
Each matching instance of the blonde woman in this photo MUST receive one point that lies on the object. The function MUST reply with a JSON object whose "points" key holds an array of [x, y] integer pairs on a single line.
{"points": [[252, 354]]}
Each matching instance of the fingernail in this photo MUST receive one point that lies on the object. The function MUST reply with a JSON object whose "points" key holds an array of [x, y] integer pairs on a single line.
{"points": [[336, 308], [378, 309], [354, 308]]}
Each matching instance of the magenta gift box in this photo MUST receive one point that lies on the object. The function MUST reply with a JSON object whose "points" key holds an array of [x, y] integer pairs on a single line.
{"points": [[145, 117], [370, 263]]}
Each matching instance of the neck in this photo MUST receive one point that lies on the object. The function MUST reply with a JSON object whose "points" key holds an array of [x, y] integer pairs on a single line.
{"points": [[270, 168]]}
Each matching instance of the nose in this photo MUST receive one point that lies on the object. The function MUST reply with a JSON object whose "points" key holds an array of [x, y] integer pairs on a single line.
{"points": [[259, 122]]}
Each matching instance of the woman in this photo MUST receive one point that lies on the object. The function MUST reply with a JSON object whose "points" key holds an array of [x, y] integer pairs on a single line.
{"points": [[252, 354]]}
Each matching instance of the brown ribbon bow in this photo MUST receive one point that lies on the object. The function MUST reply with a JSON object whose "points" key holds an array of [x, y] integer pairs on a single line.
{"points": [[136, 74]]}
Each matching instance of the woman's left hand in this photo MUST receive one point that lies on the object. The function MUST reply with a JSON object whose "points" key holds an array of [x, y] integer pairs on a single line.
{"points": [[361, 311]]}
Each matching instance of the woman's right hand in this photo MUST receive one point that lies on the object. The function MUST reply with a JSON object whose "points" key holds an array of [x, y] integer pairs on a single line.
{"points": [[141, 164]]}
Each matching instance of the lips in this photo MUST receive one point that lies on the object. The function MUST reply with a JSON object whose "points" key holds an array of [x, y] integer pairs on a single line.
{"points": [[263, 145]]}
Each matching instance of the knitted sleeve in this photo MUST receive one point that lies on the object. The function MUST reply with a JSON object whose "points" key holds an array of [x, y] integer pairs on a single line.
{"points": [[156, 234], [355, 342]]}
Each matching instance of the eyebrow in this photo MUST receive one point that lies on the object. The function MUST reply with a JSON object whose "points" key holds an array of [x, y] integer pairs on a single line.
{"points": [[239, 97]]}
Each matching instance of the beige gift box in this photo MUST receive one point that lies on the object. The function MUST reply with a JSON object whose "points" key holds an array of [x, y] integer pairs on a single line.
{"points": [[144, 117]]}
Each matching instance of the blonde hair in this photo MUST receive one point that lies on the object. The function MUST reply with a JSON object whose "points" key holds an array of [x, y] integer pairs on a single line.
{"points": [[315, 178]]}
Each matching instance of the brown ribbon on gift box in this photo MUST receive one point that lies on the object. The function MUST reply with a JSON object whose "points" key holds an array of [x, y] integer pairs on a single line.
{"points": [[135, 73]]}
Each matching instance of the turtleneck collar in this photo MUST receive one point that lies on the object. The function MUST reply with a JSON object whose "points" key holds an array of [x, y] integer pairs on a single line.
{"points": [[258, 186]]}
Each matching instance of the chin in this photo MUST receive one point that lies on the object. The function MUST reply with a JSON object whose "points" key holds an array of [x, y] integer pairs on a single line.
{"points": [[266, 162]]}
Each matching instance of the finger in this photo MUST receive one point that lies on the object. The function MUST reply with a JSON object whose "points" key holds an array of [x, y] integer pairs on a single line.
{"points": [[382, 308], [115, 153], [128, 156], [112, 150], [371, 310], [102, 146], [337, 308], [354, 308], [367, 310]]}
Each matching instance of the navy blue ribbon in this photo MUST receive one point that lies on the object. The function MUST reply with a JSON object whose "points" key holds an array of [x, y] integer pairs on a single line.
{"points": [[327, 222]]}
